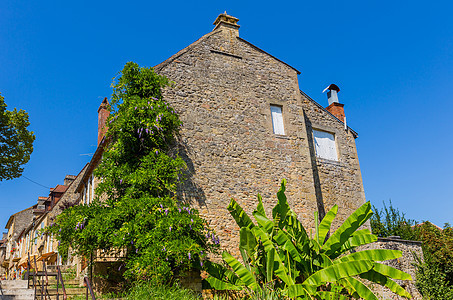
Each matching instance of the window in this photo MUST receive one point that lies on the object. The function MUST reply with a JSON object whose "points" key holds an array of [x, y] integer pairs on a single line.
{"points": [[277, 119], [325, 145]]}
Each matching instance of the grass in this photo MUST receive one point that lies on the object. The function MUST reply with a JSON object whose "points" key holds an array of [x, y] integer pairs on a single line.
{"points": [[147, 291]]}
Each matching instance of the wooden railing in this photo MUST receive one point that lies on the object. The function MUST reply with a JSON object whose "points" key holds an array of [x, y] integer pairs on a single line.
{"points": [[45, 283], [88, 285]]}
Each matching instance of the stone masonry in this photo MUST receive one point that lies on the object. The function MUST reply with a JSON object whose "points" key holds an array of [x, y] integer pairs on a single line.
{"points": [[223, 89], [410, 250]]}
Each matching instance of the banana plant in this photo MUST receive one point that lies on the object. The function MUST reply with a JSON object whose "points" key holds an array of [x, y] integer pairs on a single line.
{"points": [[279, 254]]}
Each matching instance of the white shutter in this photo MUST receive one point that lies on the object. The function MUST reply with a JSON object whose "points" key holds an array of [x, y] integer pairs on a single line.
{"points": [[277, 119], [325, 145]]}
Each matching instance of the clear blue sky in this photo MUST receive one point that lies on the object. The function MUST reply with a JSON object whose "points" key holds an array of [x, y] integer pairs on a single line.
{"points": [[393, 61]]}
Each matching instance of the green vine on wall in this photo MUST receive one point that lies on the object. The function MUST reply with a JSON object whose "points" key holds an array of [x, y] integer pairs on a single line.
{"points": [[136, 213]]}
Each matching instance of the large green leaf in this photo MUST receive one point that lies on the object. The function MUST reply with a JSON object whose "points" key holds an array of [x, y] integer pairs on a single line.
{"points": [[245, 275], [215, 269], [295, 229], [282, 208], [362, 290], [284, 241], [220, 272], [391, 272], [352, 223], [222, 285], [359, 238], [297, 290], [270, 264], [247, 242], [241, 217], [373, 254], [336, 272], [376, 277], [263, 221], [325, 224], [260, 206], [279, 268]]}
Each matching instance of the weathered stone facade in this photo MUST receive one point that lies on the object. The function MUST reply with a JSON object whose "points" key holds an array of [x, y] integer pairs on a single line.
{"points": [[224, 87], [410, 249]]}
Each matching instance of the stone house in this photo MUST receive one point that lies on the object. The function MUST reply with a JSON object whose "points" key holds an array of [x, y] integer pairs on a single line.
{"points": [[15, 225], [247, 125]]}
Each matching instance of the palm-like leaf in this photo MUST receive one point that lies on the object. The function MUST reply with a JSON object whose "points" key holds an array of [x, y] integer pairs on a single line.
{"points": [[352, 223], [325, 224], [239, 215], [245, 275]]}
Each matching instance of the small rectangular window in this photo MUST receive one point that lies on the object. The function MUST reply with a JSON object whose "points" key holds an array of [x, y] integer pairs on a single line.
{"points": [[277, 119], [325, 145]]}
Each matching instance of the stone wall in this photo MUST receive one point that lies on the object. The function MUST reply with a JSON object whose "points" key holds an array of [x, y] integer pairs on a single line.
{"points": [[410, 249], [337, 182], [223, 90]]}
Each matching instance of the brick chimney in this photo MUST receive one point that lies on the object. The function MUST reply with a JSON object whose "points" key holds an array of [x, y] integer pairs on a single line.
{"points": [[225, 21], [335, 107], [103, 114]]}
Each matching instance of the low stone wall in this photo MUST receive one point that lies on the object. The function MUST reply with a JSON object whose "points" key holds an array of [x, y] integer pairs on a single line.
{"points": [[410, 249]]}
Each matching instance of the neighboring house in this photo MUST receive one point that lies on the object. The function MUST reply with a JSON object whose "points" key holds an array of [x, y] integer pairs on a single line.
{"points": [[3, 255], [15, 225]]}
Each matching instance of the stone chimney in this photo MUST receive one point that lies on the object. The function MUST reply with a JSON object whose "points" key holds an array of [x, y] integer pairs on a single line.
{"points": [[103, 114], [335, 107], [225, 21], [69, 179]]}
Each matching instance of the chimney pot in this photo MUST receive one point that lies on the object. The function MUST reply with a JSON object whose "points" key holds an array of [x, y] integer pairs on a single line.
{"points": [[335, 107]]}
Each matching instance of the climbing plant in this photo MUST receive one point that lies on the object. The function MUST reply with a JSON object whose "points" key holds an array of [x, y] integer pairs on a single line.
{"points": [[136, 214]]}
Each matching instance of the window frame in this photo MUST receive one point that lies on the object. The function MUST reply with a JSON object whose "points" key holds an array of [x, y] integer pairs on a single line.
{"points": [[335, 142], [282, 119]]}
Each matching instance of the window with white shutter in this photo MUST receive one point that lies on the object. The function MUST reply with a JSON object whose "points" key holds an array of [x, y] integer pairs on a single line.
{"points": [[277, 119], [325, 145]]}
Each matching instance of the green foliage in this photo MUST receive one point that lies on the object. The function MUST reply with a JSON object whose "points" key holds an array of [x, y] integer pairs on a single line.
{"points": [[434, 277], [279, 255], [391, 222], [16, 142], [435, 274], [149, 291], [136, 214]]}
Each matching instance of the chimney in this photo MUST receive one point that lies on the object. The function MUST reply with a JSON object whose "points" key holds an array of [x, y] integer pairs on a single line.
{"points": [[103, 114], [225, 21], [69, 179], [335, 107]]}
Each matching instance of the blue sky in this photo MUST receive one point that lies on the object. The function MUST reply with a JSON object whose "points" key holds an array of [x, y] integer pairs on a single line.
{"points": [[393, 61]]}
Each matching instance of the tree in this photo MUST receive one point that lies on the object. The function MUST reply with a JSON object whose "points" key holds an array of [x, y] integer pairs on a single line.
{"points": [[278, 254], [435, 273], [16, 142], [136, 212]]}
